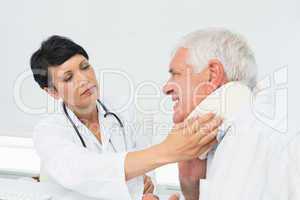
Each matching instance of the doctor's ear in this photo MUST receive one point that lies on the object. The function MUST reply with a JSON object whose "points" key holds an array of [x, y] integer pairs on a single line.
{"points": [[52, 92], [217, 74]]}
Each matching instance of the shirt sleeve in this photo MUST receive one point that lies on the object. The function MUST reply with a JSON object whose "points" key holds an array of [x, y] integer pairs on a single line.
{"points": [[294, 167], [78, 169]]}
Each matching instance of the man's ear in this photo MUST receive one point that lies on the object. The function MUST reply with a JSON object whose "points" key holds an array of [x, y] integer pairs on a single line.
{"points": [[52, 92], [216, 73]]}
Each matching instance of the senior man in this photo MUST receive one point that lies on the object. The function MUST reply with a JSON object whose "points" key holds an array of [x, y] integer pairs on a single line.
{"points": [[215, 70]]}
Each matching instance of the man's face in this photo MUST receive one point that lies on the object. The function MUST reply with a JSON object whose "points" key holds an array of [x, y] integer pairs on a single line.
{"points": [[75, 82], [187, 88]]}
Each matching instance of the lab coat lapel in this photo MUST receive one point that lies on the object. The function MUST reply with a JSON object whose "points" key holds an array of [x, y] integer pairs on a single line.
{"points": [[85, 133], [73, 117], [112, 132]]}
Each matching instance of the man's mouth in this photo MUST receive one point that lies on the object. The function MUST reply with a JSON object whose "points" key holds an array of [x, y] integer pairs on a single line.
{"points": [[89, 91], [176, 102]]}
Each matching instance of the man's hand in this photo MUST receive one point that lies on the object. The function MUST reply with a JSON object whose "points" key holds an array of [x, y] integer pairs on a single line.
{"points": [[150, 197], [190, 173], [174, 197], [153, 197], [148, 185]]}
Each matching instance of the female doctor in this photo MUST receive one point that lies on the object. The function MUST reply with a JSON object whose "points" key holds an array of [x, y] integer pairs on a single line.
{"points": [[85, 147]]}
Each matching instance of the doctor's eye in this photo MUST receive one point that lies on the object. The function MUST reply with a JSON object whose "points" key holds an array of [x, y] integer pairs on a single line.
{"points": [[68, 78], [85, 66]]}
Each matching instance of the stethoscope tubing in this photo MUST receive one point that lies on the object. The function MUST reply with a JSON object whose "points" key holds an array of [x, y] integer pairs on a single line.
{"points": [[107, 113]]}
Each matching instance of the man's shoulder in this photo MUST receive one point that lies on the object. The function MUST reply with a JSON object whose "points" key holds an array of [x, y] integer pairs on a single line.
{"points": [[252, 135], [253, 122]]}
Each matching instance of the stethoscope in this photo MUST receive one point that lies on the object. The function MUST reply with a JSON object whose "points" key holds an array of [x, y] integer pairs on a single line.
{"points": [[107, 114]]}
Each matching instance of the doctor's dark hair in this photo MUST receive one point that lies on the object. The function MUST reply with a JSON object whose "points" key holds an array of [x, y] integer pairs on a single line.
{"points": [[53, 52]]}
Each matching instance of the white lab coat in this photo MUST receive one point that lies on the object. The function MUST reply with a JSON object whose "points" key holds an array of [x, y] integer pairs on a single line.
{"points": [[238, 168], [96, 171]]}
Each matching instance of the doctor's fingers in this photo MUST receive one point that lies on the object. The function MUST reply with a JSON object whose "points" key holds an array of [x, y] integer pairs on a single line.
{"points": [[204, 127], [204, 139], [208, 147], [199, 141], [194, 120], [203, 149], [207, 126]]}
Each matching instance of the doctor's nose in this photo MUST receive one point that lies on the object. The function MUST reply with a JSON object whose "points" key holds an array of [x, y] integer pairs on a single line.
{"points": [[82, 80], [83, 83]]}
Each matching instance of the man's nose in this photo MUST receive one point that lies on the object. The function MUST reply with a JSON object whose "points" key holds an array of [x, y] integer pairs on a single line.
{"points": [[167, 89]]}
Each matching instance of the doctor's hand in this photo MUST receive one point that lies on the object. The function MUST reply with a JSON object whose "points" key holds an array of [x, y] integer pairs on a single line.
{"points": [[186, 141], [190, 139]]}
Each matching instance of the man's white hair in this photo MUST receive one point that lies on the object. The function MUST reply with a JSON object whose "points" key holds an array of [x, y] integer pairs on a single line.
{"points": [[229, 48]]}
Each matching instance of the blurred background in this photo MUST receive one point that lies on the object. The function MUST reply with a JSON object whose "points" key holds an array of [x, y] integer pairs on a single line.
{"points": [[130, 44]]}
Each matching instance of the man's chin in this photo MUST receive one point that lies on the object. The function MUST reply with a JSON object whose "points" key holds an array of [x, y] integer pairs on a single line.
{"points": [[177, 118]]}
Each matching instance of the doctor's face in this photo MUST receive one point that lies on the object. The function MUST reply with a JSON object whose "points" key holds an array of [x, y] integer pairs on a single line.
{"points": [[75, 82], [187, 88]]}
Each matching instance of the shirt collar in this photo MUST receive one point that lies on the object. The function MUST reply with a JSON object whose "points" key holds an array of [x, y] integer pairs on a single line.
{"points": [[75, 119]]}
